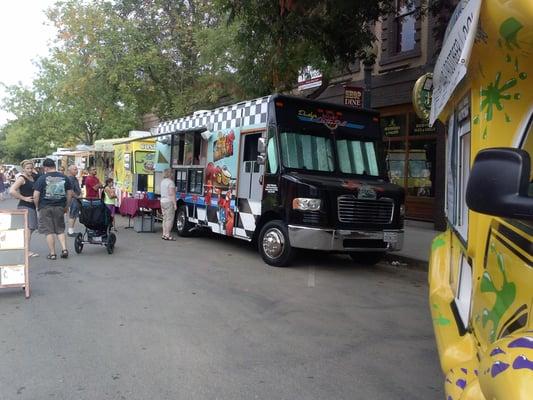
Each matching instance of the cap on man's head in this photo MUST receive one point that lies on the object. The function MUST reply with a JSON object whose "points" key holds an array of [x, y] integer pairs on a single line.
{"points": [[49, 163]]}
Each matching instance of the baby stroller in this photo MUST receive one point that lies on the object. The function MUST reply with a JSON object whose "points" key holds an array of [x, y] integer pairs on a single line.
{"points": [[96, 218]]}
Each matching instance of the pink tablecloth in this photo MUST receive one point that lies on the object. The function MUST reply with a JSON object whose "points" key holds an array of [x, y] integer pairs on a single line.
{"points": [[130, 206]]}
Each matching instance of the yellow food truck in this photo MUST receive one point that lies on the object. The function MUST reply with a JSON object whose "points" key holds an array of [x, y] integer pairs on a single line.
{"points": [[104, 157], [481, 267], [134, 164]]}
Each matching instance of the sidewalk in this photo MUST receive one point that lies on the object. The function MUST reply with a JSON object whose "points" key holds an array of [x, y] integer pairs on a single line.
{"points": [[416, 244]]}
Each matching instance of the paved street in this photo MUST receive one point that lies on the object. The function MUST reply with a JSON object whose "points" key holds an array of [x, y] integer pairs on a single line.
{"points": [[204, 318]]}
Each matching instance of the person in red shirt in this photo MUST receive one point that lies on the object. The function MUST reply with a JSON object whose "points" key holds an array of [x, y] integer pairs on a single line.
{"points": [[92, 185]]}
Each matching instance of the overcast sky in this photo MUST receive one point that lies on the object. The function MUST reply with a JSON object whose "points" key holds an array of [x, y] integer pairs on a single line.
{"points": [[23, 37]]}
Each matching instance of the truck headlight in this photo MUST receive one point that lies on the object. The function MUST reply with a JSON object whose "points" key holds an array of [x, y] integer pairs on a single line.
{"points": [[305, 204], [402, 210]]}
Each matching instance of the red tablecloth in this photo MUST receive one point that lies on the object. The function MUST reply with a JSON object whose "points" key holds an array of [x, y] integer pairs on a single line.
{"points": [[130, 206]]}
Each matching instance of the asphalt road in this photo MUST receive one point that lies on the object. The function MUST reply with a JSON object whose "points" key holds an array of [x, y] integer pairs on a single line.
{"points": [[204, 318]]}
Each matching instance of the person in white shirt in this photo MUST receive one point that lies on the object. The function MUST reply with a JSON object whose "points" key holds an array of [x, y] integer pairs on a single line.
{"points": [[168, 203]]}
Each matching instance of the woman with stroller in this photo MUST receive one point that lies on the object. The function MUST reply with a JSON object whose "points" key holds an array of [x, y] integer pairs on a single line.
{"points": [[22, 190], [110, 198]]}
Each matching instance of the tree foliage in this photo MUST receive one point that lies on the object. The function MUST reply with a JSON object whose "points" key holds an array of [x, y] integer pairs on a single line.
{"points": [[115, 60]]}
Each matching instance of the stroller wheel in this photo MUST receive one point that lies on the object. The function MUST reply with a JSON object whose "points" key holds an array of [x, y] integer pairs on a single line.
{"points": [[78, 243], [110, 244]]}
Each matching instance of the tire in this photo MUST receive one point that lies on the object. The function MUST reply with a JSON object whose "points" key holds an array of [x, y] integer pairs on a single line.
{"points": [[110, 244], [274, 245], [183, 226], [78, 243], [367, 258]]}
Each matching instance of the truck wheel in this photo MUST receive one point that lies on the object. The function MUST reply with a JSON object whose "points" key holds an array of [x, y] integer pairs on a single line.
{"points": [[183, 226], [274, 245], [367, 258]]}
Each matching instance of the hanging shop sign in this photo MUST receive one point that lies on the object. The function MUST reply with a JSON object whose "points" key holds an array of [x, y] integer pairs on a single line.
{"points": [[453, 60], [422, 96], [309, 78], [353, 96]]}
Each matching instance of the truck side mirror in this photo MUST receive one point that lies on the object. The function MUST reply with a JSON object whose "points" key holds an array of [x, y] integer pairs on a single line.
{"points": [[261, 145], [261, 159], [499, 183]]}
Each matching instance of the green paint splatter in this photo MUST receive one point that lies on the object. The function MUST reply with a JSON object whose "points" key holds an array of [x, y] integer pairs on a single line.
{"points": [[504, 297], [494, 94], [508, 58], [484, 136], [476, 119], [507, 118], [509, 31], [522, 75], [440, 319], [516, 64], [437, 242]]}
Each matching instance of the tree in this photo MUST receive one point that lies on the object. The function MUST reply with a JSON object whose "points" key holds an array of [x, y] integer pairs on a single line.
{"points": [[278, 38]]}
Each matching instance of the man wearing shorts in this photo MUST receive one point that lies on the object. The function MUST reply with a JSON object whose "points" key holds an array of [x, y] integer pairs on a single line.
{"points": [[74, 211], [52, 196]]}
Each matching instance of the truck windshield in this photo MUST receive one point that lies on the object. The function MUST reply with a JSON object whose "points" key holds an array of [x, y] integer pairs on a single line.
{"points": [[307, 151], [357, 157]]}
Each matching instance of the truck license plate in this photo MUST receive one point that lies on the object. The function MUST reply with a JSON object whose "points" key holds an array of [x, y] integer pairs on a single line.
{"points": [[390, 237]]}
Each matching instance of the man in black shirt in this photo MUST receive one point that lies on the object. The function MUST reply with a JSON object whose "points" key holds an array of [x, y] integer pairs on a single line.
{"points": [[52, 196]]}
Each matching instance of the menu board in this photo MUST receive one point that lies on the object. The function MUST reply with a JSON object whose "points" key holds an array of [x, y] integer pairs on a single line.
{"points": [[14, 250]]}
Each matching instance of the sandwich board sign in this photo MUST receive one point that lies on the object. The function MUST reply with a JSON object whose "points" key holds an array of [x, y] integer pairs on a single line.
{"points": [[14, 244]]}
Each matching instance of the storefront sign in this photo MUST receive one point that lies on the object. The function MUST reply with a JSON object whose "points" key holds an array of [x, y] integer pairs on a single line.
{"points": [[353, 96], [422, 96], [452, 63], [393, 126], [309, 78]]}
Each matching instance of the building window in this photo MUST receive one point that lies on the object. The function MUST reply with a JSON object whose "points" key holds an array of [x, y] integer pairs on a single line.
{"points": [[404, 23], [400, 37]]}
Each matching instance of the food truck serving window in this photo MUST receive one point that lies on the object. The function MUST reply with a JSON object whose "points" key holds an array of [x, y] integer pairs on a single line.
{"points": [[187, 149]]}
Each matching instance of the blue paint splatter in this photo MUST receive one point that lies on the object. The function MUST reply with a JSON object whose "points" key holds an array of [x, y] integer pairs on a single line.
{"points": [[461, 383], [521, 362], [525, 342], [465, 371], [497, 350], [475, 372], [497, 368], [449, 398]]}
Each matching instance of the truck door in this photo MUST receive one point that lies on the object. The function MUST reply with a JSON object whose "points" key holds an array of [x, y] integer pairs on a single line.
{"points": [[505, 291], [249, 186]]}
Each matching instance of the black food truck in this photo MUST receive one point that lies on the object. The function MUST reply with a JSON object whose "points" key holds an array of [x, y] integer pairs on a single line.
{"points": [[287, 173]]}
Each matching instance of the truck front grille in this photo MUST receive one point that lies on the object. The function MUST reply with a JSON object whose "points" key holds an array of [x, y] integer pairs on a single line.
{"points": [[357, 211]]}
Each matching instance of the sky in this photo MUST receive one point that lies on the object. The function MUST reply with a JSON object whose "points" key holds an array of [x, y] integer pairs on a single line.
{"points": [[23, 38]]}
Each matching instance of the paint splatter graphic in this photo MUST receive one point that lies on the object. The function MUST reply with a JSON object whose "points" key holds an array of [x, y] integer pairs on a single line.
{"points": [[440, 319], [497, 368], [523, 342], [437, 242], [461, 383], [494, 94], [521, 362], [504, 297], [496, 351], [509, 32]]}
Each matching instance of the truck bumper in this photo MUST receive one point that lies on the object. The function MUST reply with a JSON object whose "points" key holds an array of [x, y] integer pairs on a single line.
{"points": [[304, 237]]}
